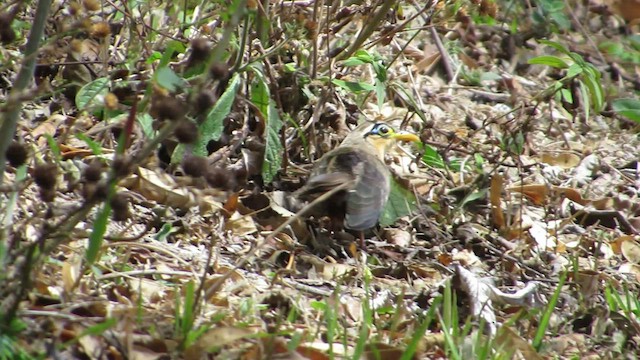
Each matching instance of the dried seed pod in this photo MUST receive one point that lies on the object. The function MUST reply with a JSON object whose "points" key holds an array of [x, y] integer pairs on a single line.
{"points": [[16, 154], [200, 50], [186, 132], [204, 101], [167, 108], [93, 172], [101, 192], [45, 175], [219, 178], [195, 166], [91, 5], [47, 195], [111, 101], [7, 35], [120, 206], [100, 30], [122, 166], [219, 71]]}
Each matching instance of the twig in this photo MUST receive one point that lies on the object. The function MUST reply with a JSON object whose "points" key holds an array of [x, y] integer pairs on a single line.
{"points": [[144, 273], [13, 106], [275, 232], [370, 25], [444, 55]]}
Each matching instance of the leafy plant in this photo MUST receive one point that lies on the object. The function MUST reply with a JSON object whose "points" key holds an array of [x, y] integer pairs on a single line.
{"points": [[629, 108], [551, 12], [585, 74], [543, 325], [362, 57]]}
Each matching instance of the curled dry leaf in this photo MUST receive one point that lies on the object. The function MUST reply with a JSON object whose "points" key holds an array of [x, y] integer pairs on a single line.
{"points": [[70, 272], [630, 249], [162, 188], [539, 193], [397, 237], [616, 244], [565, 160], [482, 294]]}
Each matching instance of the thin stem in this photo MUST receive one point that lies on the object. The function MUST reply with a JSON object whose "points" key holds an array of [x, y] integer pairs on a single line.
{"points": [[14, 106]]}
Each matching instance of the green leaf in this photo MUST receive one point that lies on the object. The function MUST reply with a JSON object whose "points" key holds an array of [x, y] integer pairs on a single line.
{"points": [[99, 228], [166, 78], [364, 55], [473, 196], [273, 149], [352, 61], [408, 97], [592, 79], [381, 93], [586, 102], [260, 94], [554, 45], [155, 56], [611, 48], [213, 125], [172, 47], [561, 19], [574, 70], [164, 232], [432, 158], [146, 123], [401, 202], [261, 98], [352, 86], [96, 149], [100, 328], [627, 107], [381, 71], [565, 94], [290, 67], [53, 145], [543, 323], [92, 94], [549, 60], [187, 308]]}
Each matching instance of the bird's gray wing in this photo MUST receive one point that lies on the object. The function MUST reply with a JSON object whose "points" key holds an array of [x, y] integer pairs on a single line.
{"points": [[367, 200]]}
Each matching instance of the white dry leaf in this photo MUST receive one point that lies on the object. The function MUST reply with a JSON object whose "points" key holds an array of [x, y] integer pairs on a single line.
{"points": [[583, 173], [382, 298], [241, 225], [630, 269], [482, 293], [539, 232]]}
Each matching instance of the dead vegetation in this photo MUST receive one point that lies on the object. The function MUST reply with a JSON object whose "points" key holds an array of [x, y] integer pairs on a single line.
{"points": [[153, 149]]}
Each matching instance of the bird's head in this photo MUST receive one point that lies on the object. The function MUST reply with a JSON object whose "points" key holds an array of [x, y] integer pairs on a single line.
{"points": [[382, 136]]}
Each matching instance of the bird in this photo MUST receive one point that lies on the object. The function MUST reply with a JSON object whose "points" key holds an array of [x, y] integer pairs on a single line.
{"points": [[357, 175]]}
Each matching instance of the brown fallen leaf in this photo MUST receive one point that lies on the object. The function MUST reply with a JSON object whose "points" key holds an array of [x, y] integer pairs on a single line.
{"points": [[495, 196], [564, 159], [539, 193]]}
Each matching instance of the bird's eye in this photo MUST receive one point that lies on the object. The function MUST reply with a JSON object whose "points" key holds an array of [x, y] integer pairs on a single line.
{"points": [[383, 130]]}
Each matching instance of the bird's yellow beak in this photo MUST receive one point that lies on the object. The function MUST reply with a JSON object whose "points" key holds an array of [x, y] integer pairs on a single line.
{"points": [[405, 136]]}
